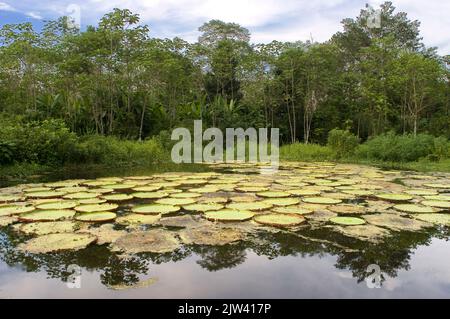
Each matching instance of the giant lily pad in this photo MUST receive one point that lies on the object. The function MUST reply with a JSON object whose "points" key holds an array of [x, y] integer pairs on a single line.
{"points": [[117, 197], [96, 217], [347, 209], [229, 215], [45, 194], [57, 242], [45, 228], [185, 195], [7, 220], [279, 220], [368, 233], [250, 206], [216, 236], [437, 203], [57, 205], [81, 195], [138, 219], [439, 219], [155, 209], [106, 234], [413, 208], [292, 210], [348, 221], [282, 201], [176, 201], [273, 194], [395, 222], [8, 210], [47, 215], [202, 207], [321, 200], [154, 241], [150, 195], [394, 197]]}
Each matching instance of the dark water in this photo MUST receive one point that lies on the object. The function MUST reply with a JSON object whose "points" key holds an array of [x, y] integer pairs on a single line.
{"points": [[267, 265]]}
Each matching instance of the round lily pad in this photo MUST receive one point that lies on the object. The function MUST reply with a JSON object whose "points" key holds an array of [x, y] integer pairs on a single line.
{"points": [[321, 200], [439, 219], [96, 208], [273, 194], [176, 201], [147, 188], [45, 228], [8, 210], [82, 195], [437, 203], [216, 236], [413, 208], [117, 197], [10, 198], [251, 189], [45, 194], [57, 242], [347, 220], [347, 209], [438, 185], [282, 201], [118, 186], [292, 210], [91, 201], [69, 190], [37, 189], [279, 220], [228, 215], [47, 215], [394, 197], [150, 195], [7, 220], [250, 206], [96, 217], [185, 195], [155, 209], [395, 222], [365, 232], [138, 219], [303, 192], [438, 197], [421, 192], [57, 205], [154, 241], [202, 207]]}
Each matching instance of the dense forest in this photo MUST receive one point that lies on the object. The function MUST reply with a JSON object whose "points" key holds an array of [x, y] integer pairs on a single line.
{"points": [[115, 79]]}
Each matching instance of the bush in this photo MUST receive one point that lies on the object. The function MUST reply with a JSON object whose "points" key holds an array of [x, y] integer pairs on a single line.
{"points": [[342, 143], [7, 150], [305, 152], [402, 148]]}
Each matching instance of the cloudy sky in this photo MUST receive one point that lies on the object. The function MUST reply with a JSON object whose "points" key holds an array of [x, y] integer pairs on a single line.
{"points": [[284, 20]]}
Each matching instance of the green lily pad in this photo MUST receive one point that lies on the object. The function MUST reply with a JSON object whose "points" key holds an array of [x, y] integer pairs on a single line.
{"points": [[81, 195], [185, 195], [150, 195], [366, 232], [138, 219], [10, 198], [57, 242], [279, 220], [292, 210], [282, 201], [45, 228], [395, 222], [8, 210], [47, 215], [250, 206], [45, 194], [229, 215], [96, 208], [216, 236], [273, 194], [438, 185], [117, 197], [303, 192], [176, 201], [439, 219], [347, 220], [437, 203], [347, 209], [321, 200], [96, 217], [413, 208], [438, 197], [394, 197], [147, 188], [202, 207], [58, 205], [155, 209], [37, 189]]}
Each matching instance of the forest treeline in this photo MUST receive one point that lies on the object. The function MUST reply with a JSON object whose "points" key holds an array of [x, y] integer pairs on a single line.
{"points": [[115, 79]]}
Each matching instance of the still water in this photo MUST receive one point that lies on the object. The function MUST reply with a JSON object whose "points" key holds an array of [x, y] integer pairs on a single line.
{"points": [[319, 263]]}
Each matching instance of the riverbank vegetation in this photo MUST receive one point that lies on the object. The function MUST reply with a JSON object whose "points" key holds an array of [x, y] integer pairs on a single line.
{"points": [[111, 94]]}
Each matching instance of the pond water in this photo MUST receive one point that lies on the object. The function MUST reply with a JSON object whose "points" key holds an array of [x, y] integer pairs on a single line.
{"points": [[234, 231]]}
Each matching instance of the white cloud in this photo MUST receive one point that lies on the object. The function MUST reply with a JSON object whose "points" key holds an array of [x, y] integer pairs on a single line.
{"points": [[286, 20], [6, 7], [34, 15]]}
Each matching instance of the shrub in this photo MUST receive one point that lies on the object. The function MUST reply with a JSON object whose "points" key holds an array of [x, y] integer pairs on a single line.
{"points": [[305, 152], [7, 150], [342, 142], [401, 148]]}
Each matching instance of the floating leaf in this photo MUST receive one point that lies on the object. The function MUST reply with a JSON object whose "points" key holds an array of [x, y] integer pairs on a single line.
{"points": [[117, 197], [150, 195], [273, 194], [321, 200], [154, 241], [229, 215], [8, 210], [138, 219], [47, 215], [395, 222], [440, 219], [96, 208], [202, 207], [185, 195], [155, 209], [347, 220], [45, 194], [176, 201], [250, 206], [211, 236], [82, 195], [369, 233], [96, 217], [282, 201], [347, 209], [45, 228], [57, 242], [279, 220], [292, 210], [57, 205], [413, 208], [7, 220], [106, 234], [437, 203], [394, 197]]}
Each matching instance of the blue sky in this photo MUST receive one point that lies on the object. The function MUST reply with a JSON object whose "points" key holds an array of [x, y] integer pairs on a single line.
{"points": [[284, 20]]}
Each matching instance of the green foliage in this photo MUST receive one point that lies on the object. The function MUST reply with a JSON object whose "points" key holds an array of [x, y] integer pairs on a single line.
{"points": [[7, 150], [402, 148], [305, 152], [342, 142]]}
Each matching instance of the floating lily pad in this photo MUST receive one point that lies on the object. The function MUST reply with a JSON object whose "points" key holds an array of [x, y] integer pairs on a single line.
{"points": [[421, 192], [279, 220], [69, 190], [347, 209], [202, 207], [91, 201], [250, 206], [179, 221], [394, 197], [185, 195], [106, 234], [138, 219], [57, 205], [8, 210], [45, 194], [282, 201], [368, 233], [438, 185], [147, 188], [413, 208], [395, 222], [251, 189], [150, 195], [81, 195], [439, 219], [37, 189], [10, 198], [118, 186], [438, 197], [216, 236], [303, 192], [437, 203], [7, 220], [47, 215], [57, 242], [229, 215], [358, 192], [176, 201], [154, 241], [292, 210], [211, 200], [273, 194], [155, 209], [96, 208], [321, 200], [45, 228], [96, 217], [117, 197], [347, 221]]}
